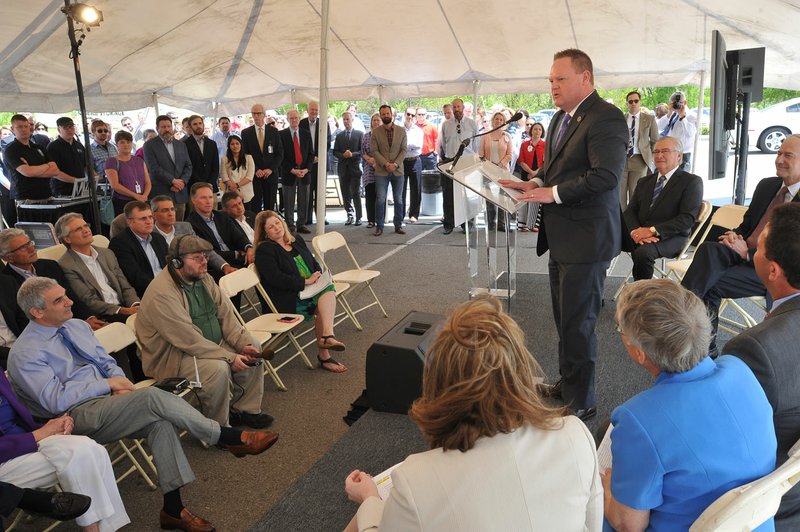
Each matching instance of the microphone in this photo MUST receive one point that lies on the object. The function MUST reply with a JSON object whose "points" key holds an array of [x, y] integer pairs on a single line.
{"points": [[465, 142]]}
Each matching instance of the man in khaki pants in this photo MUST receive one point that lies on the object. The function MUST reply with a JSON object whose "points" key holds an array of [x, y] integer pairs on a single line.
{"points": [[184, 320]]}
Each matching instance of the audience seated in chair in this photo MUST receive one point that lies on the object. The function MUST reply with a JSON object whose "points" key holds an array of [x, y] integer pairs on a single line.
{"points": [[724, 269], [232, 204], [58, 366], [186, 323], [93, 273], [703, 428], [218, 228], [500, 458], [660, 223], [165, 224], [140, 251], [39, 456], [769, 347], [22, 262], [286, 267]]}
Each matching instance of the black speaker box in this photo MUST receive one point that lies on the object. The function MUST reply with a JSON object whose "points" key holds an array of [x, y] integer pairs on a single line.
{"points": [[395, 362]]}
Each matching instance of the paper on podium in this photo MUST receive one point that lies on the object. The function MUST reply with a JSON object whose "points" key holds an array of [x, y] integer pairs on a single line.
{"points": [[383, 481], [314, 289]]}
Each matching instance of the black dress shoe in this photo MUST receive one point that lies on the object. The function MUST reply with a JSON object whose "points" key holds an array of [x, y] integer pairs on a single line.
{"points": [[399, 230], [447, 230], [254, 421], [357, 222], [378, 232], [551, 391], [349, 221], [303, 229], [66, 506], [585, 414]]}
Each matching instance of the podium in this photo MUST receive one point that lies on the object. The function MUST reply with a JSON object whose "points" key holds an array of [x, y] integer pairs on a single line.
{"points": [[479, 186]]}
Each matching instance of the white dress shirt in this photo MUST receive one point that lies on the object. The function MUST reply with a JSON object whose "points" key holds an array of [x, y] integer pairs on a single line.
{"points": [[110, 295]]}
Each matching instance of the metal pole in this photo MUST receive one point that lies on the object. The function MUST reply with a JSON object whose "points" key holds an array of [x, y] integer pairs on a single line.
{"points": [[75, 54], [699, 117], [744, 143], [155, 104], [322, 163], [475, 85]]}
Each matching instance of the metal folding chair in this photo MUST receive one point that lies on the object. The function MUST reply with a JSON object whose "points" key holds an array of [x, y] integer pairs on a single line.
{"points": [[267, 328]]}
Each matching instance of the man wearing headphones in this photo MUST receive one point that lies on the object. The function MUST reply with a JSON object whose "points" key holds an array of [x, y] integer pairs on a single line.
{"points": [[186, 325]]}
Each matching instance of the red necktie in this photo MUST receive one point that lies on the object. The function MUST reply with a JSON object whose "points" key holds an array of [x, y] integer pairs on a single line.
{"points": [[752, 240], [298, 157]]}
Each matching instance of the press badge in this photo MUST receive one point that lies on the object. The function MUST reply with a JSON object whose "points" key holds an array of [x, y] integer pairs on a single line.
{"points": [[138, 188], [269, 148]]}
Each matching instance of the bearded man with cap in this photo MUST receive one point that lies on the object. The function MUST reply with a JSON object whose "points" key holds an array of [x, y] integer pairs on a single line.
{"points": [[186, 325]]}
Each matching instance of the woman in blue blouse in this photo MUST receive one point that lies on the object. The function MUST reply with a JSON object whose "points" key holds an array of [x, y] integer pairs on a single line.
{"points": [[704, 427]]}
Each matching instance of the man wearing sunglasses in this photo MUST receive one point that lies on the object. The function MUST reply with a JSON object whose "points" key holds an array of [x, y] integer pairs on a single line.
{"points": [[642, 137], [68, 154], [102, 147]]}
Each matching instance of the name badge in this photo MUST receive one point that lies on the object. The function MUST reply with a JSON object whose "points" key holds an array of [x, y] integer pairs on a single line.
{"points": [[138, 188], [530, 147], [269, 148]]}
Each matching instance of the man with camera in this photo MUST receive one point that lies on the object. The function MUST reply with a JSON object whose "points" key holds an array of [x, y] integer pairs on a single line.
{"points": [[680, 124]]}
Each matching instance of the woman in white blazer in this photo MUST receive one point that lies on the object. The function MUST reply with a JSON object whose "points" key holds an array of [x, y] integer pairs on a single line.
{"points": [[500, 458], [238, 169]]}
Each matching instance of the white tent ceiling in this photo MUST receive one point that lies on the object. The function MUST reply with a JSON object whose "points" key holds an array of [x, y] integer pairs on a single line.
{"points": [[192, 53]]}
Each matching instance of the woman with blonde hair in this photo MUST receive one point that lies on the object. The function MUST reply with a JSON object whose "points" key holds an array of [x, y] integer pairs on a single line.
{"points": [[500, 458], [286, 266]]}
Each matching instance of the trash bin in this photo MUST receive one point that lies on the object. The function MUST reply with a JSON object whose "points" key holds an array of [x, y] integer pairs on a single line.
{"points": [[431, 193]]}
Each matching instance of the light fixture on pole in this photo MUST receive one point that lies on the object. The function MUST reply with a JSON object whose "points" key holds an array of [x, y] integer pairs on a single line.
{"points": [[85, 17]]}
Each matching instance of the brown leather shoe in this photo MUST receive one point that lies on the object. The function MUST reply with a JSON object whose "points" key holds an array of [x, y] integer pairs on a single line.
{"points": [[268, 353], [399, 231], [254, 443], [188, 522]]}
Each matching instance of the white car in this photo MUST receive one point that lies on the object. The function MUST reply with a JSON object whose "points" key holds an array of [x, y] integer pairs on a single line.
{"points": [[770, 127]]}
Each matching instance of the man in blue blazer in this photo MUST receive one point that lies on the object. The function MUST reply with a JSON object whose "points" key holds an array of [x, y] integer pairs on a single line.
{"points": [[295, 171], [169, 166], [769, 347], [347, 149], [581, 218]]}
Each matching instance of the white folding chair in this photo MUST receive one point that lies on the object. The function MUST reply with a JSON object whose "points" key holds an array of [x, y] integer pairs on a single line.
{"points": [[748, 506], [267, 328], [116, 337], [100, 241], [702, 216], [53, 252], [727, 217], [356, 276]]}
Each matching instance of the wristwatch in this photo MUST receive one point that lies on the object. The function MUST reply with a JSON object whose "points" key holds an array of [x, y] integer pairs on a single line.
{"points": [[653, 230]]}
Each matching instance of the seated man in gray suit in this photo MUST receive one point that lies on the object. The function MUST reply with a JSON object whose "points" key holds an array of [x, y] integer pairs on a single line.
{"points": [[164, 213], [169, 165], [57, 366], [770, 349], [663, 209], [93, 273]]}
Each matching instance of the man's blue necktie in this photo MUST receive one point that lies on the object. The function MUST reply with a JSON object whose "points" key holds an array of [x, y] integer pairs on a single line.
{"points": [[562, 129], [77, 353], [658, 189]]}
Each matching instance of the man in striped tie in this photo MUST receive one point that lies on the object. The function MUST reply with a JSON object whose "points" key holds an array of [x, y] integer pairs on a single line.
{"points": [[663, 209], [725, 269]]}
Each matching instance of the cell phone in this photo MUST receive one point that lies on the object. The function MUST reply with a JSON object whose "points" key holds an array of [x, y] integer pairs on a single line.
{"points": [[254, 363], [288, 319]]}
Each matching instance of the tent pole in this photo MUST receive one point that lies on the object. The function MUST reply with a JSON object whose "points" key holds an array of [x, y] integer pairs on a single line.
{"points": [[476, 83], [155, 103], [380, 95], [322, 163], [216, 114], [699, 117]]}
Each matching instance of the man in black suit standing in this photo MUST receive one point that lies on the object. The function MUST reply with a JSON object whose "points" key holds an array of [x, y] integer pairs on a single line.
{"points": [[311, 124], [769, 347], [347, 149], [297, 161], [581, 219], [218, 228], [724, 269], [140, 251], [261, 141], [663, 209], [203, 153]]}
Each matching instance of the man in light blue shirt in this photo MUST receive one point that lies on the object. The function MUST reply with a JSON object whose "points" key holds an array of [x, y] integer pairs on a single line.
{"points": [[57, 366]]}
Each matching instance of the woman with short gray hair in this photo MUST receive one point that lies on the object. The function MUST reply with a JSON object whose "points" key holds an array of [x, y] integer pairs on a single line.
{"points": [[703, 428]]}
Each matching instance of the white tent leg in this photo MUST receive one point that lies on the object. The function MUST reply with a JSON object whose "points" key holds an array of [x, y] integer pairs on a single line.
{"points": [[699, 117], [322, 163], [155, 103]]}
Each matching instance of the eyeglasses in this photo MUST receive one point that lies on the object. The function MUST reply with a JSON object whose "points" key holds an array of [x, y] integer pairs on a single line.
{"points": [[410, 115], [143, 218], [199, 257], [257, 113], [28, 244], [166, 209], [69, 126], [633, 101], [80, 228], [656, 152], [102, 131]]}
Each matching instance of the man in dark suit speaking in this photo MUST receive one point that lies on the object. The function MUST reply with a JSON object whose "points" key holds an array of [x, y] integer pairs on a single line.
{"points": [[768, 348], [663, 209], [581, 219]]}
